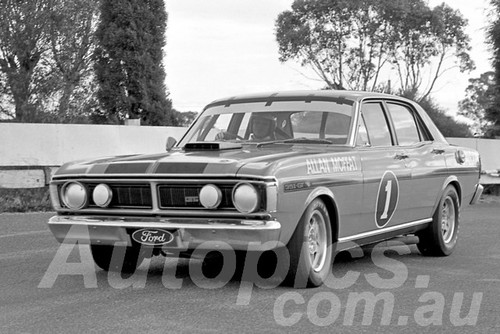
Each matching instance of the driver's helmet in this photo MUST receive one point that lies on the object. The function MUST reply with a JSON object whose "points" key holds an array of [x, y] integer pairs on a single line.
{"points": [[262, 126]]}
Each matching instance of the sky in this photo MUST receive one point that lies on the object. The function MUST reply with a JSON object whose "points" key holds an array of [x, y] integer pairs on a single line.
{"points": [[221, 48]]}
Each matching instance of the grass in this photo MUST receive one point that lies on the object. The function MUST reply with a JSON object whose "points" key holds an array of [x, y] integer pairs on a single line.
{"points": [[25, 200]]}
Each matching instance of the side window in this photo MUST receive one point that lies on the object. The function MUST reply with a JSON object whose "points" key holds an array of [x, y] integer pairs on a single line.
{"points": [[376, 124], [404, 124]]}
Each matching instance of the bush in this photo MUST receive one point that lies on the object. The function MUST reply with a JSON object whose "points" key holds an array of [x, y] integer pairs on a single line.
{"points": [[448, 126], [24, 200]]}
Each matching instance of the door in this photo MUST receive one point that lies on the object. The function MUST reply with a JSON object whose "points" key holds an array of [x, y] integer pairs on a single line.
{"points": [[385, 173], [424, 158]]}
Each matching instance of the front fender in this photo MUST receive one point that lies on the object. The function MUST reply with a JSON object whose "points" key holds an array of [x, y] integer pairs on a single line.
{"points": [[299, 203], [320, 191]]}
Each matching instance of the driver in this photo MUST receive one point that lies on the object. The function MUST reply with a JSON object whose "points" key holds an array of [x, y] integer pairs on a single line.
{"points": [[262, 127]]}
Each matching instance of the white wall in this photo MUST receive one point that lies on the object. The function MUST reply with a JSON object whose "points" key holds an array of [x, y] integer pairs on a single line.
{"points": [[490, 156], [55, 144], [28, 151]]}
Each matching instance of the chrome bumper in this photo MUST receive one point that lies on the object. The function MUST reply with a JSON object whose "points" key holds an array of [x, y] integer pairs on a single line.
{"points": [[477, 193], [190, 233]]}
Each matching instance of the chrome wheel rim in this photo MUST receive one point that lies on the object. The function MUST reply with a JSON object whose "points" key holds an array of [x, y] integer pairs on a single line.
{"points": [[448, 220], [317, 241]]}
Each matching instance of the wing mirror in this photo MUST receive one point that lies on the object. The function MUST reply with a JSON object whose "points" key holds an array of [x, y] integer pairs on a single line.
{"points": [[171, 141]]}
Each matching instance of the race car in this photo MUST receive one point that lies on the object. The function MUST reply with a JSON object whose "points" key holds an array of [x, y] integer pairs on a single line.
{"points": [[303, 175]]}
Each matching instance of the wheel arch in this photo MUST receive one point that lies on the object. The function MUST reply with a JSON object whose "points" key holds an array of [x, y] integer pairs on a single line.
{"points": [[458, 188], [327, 196], [450, 181]]}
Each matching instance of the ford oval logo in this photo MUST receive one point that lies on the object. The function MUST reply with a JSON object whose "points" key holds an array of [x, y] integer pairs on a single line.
{"points": [[152, 237]]}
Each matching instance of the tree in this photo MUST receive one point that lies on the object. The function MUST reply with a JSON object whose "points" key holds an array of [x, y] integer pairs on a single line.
{"points": [[72, 26], [429, 39], [480, 96], [45, 63], [129, 55], [492, 113], [448, 126], [350, 43], [343, 41], [23, 43], [185, 118]]}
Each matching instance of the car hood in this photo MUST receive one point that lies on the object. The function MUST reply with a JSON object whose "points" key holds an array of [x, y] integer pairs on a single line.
{"points": [[248, 160]]}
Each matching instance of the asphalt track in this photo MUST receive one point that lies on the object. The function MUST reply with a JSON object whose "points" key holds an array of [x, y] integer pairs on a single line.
{"points": [[41, 292]]}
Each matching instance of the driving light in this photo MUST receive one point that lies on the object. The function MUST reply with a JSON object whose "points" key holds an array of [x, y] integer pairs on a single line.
{"points": [[246, 198], [74, 195], [102, 195], [210, 196]]}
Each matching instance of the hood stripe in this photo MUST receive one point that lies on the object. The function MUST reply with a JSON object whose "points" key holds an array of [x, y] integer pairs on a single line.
{"points": [[181, 168], [127, 168]]}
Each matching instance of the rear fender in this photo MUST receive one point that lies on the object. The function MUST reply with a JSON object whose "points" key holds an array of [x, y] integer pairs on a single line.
{"points": [[453, 180]]}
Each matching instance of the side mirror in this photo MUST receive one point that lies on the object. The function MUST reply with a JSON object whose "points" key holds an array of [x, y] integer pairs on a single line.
{"points": [[170, 143]]}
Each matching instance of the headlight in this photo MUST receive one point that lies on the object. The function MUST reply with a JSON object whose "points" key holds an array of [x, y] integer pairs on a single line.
{"points": [[246, 198], [74, 195], [210, 196], [102, 195]]}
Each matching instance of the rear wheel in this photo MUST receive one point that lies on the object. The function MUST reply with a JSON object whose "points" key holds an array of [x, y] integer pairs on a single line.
{"points": [[440, 237], [125, 259], [310, 247]]}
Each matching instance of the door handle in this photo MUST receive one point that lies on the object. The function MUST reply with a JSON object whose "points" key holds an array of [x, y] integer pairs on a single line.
{"points": [[401, 156], [437, 151]]}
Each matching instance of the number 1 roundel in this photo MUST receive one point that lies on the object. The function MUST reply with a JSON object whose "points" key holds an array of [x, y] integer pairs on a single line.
{"points": [[387, 199]]}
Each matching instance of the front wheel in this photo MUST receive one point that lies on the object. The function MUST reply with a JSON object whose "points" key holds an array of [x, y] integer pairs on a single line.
{"points": [[310, 247], [440, 237]]}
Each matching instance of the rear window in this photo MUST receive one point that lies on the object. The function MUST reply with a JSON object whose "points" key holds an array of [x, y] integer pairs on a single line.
{"points": [[404, 124]]}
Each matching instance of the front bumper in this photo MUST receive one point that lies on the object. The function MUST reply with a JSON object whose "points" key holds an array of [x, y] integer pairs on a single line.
{"points": [[477, 194], [190, 233]]}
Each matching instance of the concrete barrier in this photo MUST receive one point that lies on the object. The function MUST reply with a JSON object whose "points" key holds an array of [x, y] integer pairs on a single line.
{"points": [[55, 144], [29, 153], [490, 156]]}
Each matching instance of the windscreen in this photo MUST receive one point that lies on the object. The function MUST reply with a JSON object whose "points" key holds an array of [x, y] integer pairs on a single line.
{"points": [[281, 121]]}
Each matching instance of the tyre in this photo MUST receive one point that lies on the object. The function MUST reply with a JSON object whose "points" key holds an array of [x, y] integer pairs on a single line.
{"points": [[310, 247], [440, 237], [125, 259]]}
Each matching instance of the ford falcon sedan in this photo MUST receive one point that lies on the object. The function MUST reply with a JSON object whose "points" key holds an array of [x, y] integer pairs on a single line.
{"points": [[302, 174]]}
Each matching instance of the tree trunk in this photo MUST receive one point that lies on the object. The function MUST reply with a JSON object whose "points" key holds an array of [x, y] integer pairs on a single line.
{"points": [[63, 111], [19, 85]]}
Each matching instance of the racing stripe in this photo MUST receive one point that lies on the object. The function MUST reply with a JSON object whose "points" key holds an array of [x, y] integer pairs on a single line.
{"points": [[128, 168], [181, 168]]}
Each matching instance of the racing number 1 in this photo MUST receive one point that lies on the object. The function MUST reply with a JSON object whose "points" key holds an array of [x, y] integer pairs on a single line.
{"points": [[388, 190], [387, 199]]}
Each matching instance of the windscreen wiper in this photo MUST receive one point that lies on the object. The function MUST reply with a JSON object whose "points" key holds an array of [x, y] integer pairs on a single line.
{"points": [[296, 141]]}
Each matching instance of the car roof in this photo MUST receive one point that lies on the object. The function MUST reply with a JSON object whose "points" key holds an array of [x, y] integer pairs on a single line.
{"points": [[353, 96]]}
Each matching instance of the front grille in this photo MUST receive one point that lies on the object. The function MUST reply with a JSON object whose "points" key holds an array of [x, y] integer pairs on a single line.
{"points": [[187, 196], [127, 196], [169, 196]]}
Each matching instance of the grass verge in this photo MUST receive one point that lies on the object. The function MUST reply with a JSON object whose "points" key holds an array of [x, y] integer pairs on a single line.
{"points": [[25, 200]]}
